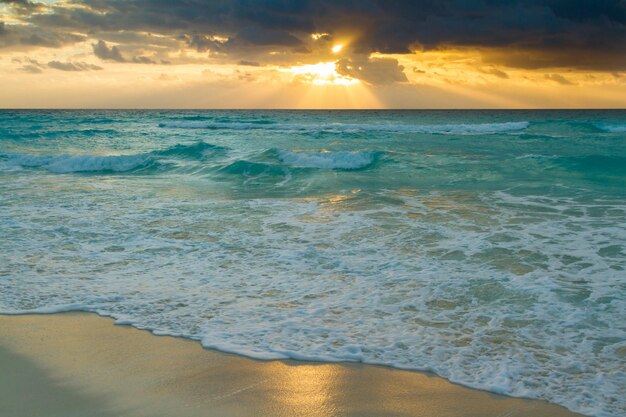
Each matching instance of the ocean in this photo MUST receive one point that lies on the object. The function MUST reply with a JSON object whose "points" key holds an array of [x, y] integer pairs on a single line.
{"points": [[488, 247]]}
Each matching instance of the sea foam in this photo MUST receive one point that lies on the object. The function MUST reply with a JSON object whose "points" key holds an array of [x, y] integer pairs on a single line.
{"points": [[454, 242]]}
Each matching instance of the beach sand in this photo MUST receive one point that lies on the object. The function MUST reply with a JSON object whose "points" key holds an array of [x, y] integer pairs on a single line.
{"points": [[78, 364]]}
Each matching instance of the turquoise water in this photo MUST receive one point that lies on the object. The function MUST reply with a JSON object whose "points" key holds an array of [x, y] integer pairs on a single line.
{"points": [[485, 246]]}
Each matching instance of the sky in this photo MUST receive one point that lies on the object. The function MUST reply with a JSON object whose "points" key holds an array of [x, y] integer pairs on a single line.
{"points": [[313, 54]]}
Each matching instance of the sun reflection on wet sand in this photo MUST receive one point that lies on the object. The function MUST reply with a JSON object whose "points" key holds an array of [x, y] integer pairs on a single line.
{"points": [[107, 370], [308, 390]]}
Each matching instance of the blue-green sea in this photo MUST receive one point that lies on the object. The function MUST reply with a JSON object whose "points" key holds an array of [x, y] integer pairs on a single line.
{"points": [[488, 247]]}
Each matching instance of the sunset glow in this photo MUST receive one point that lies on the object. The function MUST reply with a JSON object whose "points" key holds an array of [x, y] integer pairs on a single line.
{"points": [[86, 53], [323, 73]]}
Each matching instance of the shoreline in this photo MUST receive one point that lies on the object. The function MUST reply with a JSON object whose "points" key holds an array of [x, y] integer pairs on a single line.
{"points": [[76, 364]]}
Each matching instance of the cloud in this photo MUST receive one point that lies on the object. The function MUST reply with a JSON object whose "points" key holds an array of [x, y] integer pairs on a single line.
{"points": [[201, 43], [19, 3], [73, 66], [557, 78], [106, 53], [113, 53], [30, 65], [372, 70], [553, 33], [32, 69], [495, 72], [24, 6], [264, 37], [28, 37], [243, 62], [142, 60], [592, 59]]}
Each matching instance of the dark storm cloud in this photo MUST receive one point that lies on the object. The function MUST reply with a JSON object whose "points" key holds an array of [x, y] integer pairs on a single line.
{"points": [[24, 8], [22, 4], [259, 36], [28, 36], [552, 33]]}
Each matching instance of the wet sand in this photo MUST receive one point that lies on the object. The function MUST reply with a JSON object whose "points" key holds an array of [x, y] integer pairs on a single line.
{"points": [[78, 364]]}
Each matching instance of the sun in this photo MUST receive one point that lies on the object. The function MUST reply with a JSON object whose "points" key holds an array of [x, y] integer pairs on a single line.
{"points": [[323, 73], [337, 48]]}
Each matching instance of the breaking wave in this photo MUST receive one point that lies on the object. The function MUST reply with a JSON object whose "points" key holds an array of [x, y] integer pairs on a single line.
{"points": [[62, 164], [328, 160]]}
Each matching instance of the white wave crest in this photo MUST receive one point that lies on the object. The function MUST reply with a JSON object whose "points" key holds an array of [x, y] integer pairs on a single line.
{"points": [[81, 163], [328, 160], [612, 127]]}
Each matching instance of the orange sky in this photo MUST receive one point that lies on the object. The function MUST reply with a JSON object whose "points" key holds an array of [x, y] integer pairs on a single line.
{"points": [[141, 69]]}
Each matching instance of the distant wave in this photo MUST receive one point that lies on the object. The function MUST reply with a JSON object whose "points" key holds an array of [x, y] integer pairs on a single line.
{"points": [[328, 160], [216, 125], [36, 132], [475, 128], [62, 164], [536, 156], [611, 127], [462, 129]]}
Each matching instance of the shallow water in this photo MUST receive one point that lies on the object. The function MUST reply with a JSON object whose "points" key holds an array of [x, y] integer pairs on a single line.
{"points": [[487, 246]]}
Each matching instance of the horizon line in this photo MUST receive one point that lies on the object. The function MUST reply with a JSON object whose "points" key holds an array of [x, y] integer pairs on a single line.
{"points": [[304, 109]]}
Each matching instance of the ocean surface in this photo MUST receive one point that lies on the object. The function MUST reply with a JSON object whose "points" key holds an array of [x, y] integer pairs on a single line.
{"points": [[488, 247]]}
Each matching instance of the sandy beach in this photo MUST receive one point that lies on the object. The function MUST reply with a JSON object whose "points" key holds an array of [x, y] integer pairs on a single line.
{"points": [[77, 364]]}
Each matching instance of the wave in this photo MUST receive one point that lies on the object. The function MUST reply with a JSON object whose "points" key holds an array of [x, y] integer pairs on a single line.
{"points": [[196, 151], [461, 129], [328, 160], [240, 120], [603, 164], [219, 125], [62, 164], [37, 132], [611, 127], [475, 128], [591, 164], [253, 169]]}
